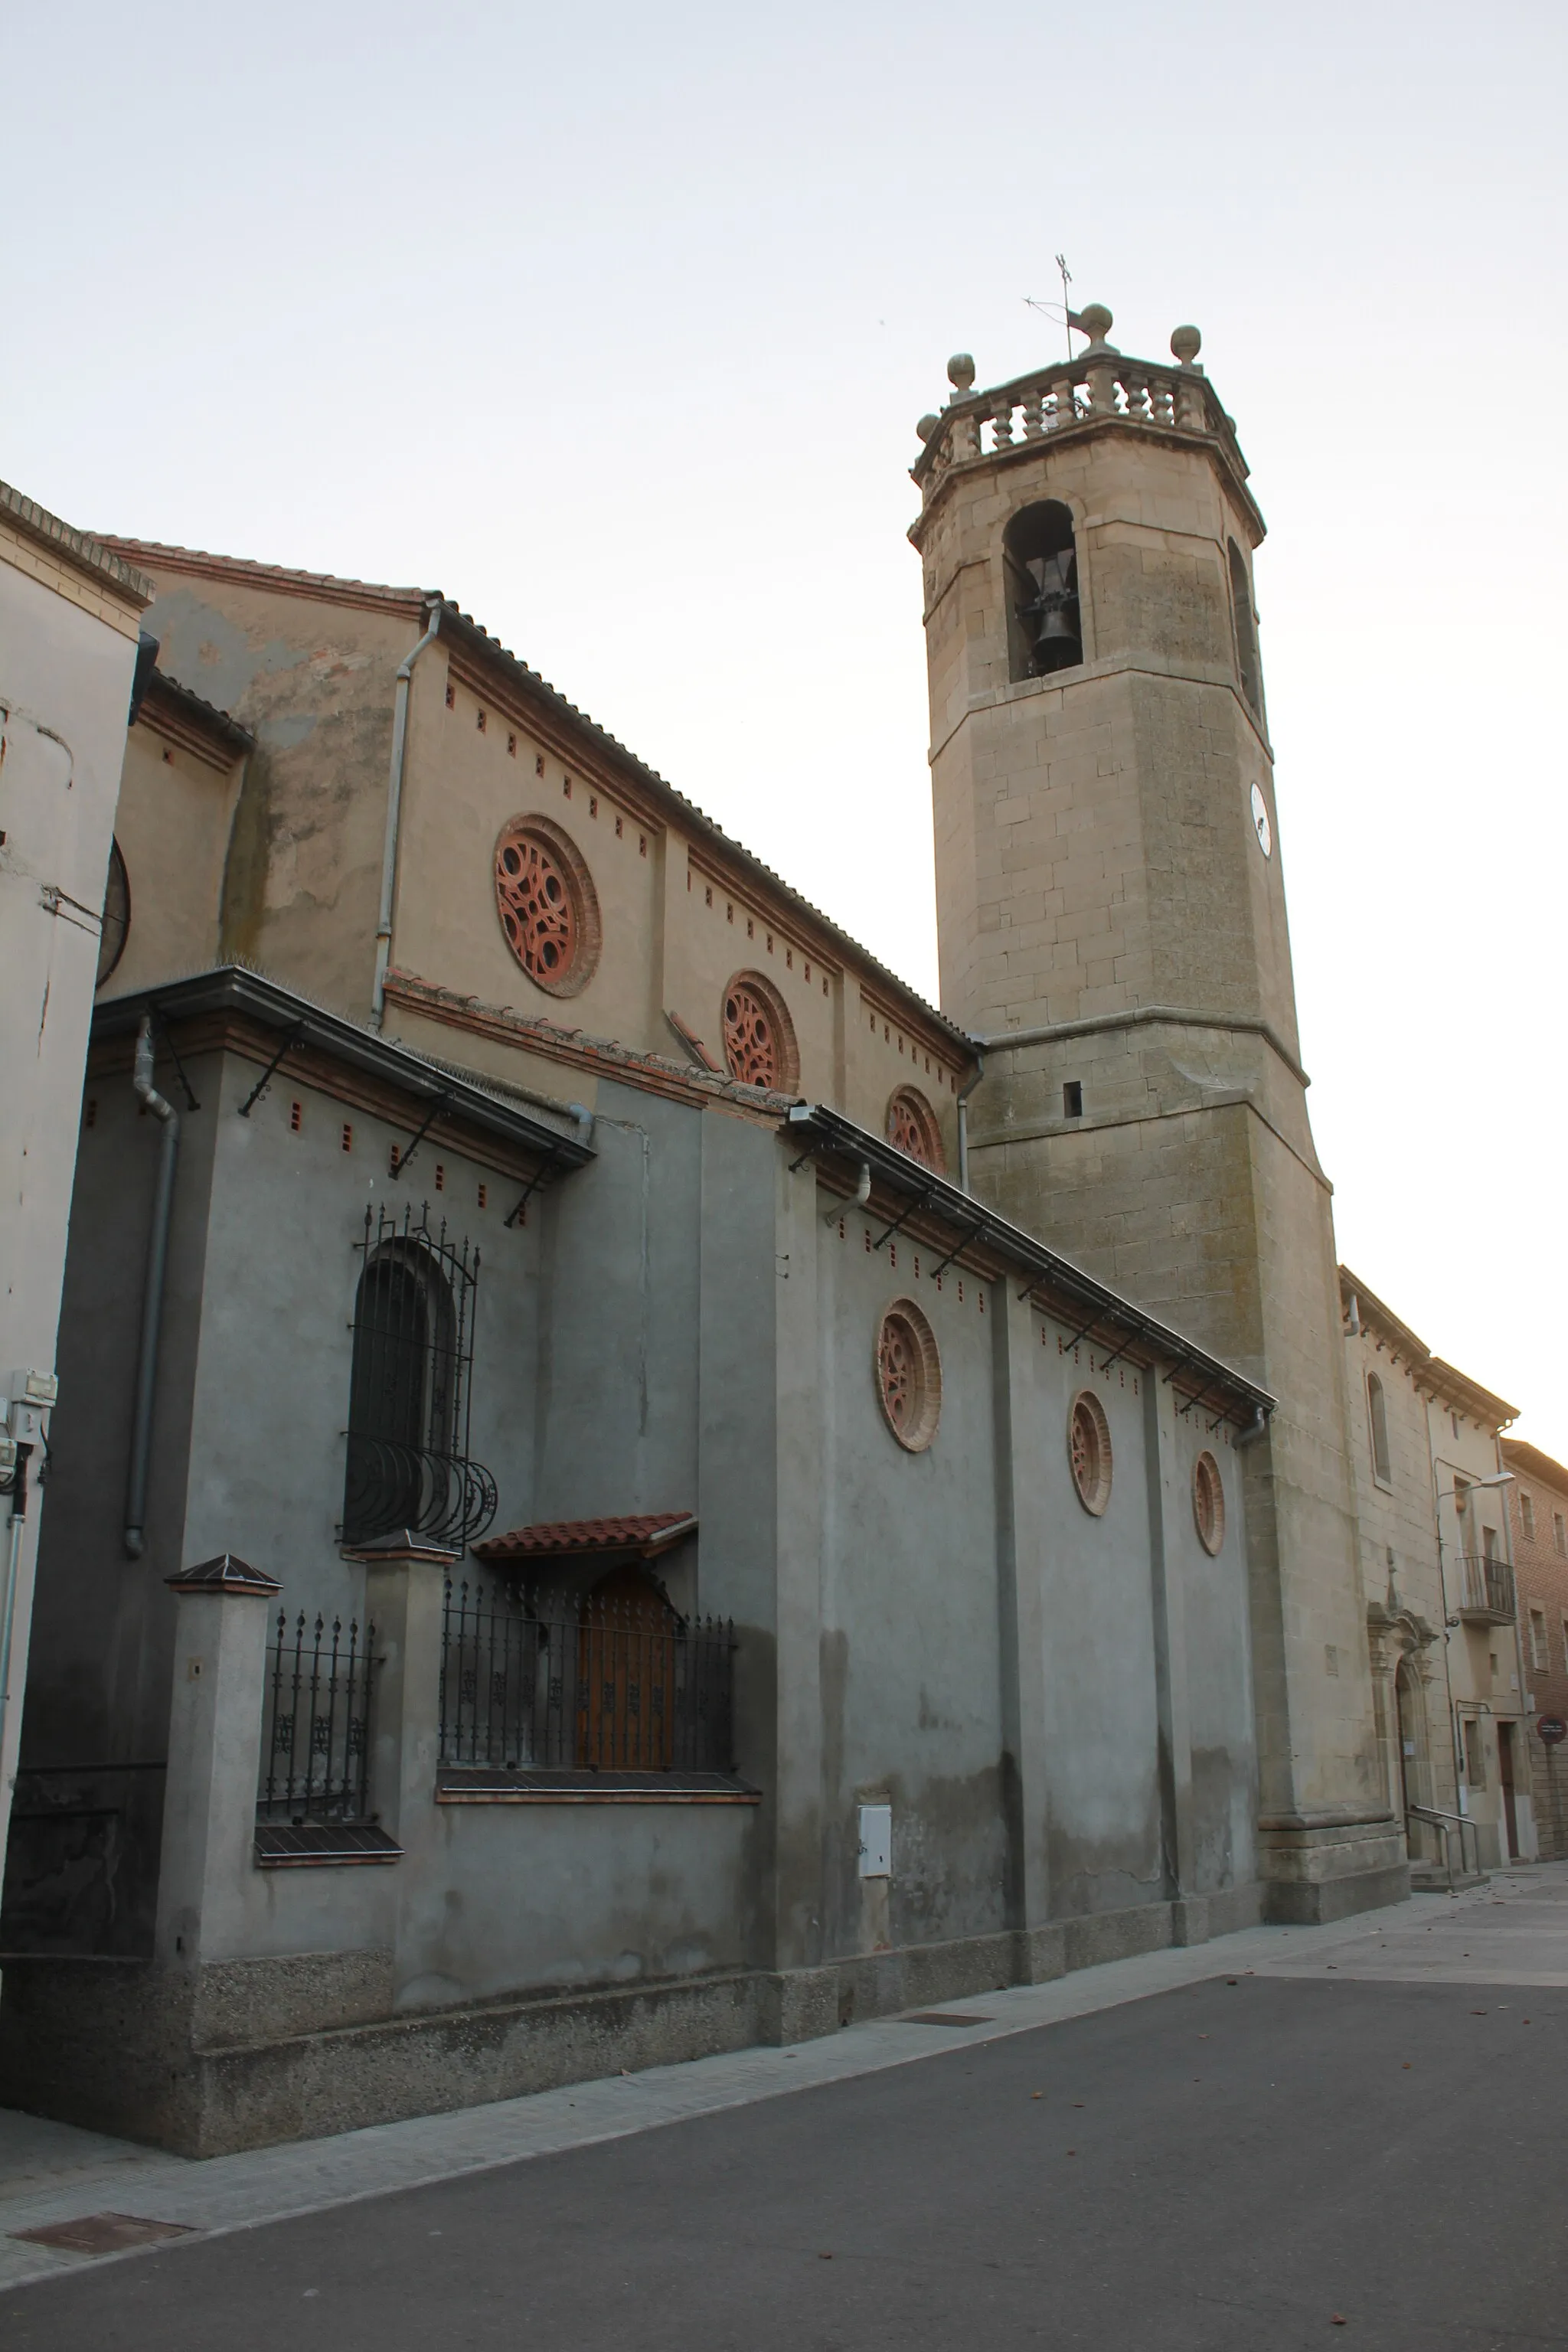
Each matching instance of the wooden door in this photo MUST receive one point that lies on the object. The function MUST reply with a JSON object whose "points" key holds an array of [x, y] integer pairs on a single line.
{"points": [[625, 1675], [1505, 1778]]}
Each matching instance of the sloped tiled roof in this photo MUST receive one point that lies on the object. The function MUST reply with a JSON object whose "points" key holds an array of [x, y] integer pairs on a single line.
{"points": [[561, 1538]]}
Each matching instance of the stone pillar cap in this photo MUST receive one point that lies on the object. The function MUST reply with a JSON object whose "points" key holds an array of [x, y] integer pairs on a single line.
{"points": [[227, 1572]]}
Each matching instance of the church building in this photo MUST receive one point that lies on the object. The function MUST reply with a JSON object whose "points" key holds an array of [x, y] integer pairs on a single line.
{"points": [[623, 1486]]}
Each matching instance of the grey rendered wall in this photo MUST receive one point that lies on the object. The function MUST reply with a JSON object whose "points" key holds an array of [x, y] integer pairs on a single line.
{"points": [[1210, 1637], [1100, 1743], [911, 1674], [654, 1392]]}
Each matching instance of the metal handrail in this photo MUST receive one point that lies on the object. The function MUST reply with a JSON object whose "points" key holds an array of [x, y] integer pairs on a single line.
{"points": [[1488, 1585], [1447, 1823]]}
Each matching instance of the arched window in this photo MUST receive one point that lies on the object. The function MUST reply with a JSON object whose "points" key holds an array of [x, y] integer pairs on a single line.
{"points": [[1247, 663], [409, 1464], [912, 1126], [759, 1035], [1039, 564], [1377, 1417], [115, 928]]}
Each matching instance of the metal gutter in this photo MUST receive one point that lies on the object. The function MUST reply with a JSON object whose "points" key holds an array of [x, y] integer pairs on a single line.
{"points": [[818, 1130], [231, 988]]}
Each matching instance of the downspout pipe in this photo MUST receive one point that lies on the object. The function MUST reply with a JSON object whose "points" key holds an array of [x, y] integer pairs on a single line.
{"points": [[394, 820], [151, 1293], [13, 1570], [964, 1091]]}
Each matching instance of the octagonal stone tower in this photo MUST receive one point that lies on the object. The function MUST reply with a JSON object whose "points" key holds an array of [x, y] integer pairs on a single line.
{"points": [[1113, 924]]}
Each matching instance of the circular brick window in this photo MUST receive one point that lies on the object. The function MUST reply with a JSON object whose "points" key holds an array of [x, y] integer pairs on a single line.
{"points": [[548, 906], [1208, 1502], [908, 1375], [1089, 1450], [758, 1036], [912, 1126]]}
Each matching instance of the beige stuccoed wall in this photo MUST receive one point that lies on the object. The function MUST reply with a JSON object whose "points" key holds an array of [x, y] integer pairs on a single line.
{"points": [[174, 826], [677, 925], [1096, 856], [310, 667], [311, 676]]}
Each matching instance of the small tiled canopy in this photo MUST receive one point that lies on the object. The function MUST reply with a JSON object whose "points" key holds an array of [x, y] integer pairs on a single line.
{"points": [[589, 1538]]}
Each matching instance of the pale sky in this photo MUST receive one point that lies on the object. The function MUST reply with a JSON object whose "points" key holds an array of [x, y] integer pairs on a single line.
{"points": [[614, 323]]}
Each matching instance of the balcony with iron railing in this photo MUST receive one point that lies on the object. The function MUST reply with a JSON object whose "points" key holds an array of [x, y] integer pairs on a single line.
{"points": [[1486, 1590]]}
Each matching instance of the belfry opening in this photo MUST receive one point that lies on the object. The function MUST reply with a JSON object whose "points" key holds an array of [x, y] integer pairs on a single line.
{"points": [[1044, 631]]}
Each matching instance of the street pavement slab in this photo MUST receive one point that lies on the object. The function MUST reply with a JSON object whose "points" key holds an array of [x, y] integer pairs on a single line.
{"points": [[1283, 2137]]}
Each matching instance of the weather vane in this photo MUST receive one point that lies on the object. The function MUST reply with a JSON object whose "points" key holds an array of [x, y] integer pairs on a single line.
{"points": [[1068, 314]]}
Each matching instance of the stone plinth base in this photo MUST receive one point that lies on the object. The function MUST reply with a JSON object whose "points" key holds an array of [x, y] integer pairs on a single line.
{"points": [[1317, 1868], [244, 2054]]}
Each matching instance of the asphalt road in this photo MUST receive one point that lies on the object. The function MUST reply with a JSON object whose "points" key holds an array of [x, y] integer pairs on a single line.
{"points": [[1221, 2168]]}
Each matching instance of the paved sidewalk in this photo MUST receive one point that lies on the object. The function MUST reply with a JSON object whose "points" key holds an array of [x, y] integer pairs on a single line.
{"points": [[1511, 1932]]}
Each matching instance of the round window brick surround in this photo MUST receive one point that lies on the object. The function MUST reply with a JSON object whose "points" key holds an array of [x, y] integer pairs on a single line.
{"points": [[548, 906], [912, 1127], [1089, 1452], [1208, 1503], [759, 1035], [908, 1375]]}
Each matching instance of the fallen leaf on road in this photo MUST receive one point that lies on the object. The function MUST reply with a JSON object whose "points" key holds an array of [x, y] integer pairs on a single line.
{"points": [[1338, 2320]]}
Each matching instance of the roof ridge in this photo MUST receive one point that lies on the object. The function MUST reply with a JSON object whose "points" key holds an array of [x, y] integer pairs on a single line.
{"points": [[89, 551], [259, 567]]}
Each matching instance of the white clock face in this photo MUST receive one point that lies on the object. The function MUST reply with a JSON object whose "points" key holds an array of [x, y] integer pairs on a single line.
{"points": [[1260, 824]]}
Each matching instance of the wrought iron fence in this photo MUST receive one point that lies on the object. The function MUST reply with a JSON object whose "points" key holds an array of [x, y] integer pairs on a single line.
{"points": [[619, 1684], [315, 1739], [410, 1393]]}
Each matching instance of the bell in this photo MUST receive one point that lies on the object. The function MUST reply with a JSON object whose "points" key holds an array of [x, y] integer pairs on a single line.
{"points": [[1055, 629]]}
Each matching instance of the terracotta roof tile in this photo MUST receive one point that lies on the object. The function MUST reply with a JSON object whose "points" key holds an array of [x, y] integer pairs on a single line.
{"points": [[558, 1538]]}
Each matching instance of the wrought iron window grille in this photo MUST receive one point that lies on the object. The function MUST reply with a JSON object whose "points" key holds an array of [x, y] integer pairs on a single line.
{"points": [[554, 1680], [315, 1721], [409, 1466]]}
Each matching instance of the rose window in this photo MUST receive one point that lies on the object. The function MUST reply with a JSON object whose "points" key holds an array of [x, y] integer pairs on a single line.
{"points": [[1208, 1502], [545, 901], [1089, 1449], [912, 1127], [759, 1042], [908, 1375]]}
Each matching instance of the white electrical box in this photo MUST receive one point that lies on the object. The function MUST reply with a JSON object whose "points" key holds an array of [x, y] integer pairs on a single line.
{"points": [[876, 1841]]}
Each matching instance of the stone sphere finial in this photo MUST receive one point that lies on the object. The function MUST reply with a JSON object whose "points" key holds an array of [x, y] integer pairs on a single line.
{"points": [[1097, 322], [1186, 345], [927, 427], [961, 373]]}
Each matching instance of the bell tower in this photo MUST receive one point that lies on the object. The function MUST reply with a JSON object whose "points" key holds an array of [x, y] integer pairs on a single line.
{"points": [[1112, 927]]}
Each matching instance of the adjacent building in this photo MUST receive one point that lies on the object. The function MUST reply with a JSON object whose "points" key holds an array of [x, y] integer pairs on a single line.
{"points": [[1538, 1518], [1452, 1705], [70, 612]]}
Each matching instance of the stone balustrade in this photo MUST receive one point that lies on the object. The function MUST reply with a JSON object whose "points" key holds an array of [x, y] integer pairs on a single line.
{"points": [[1096, 384]]}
